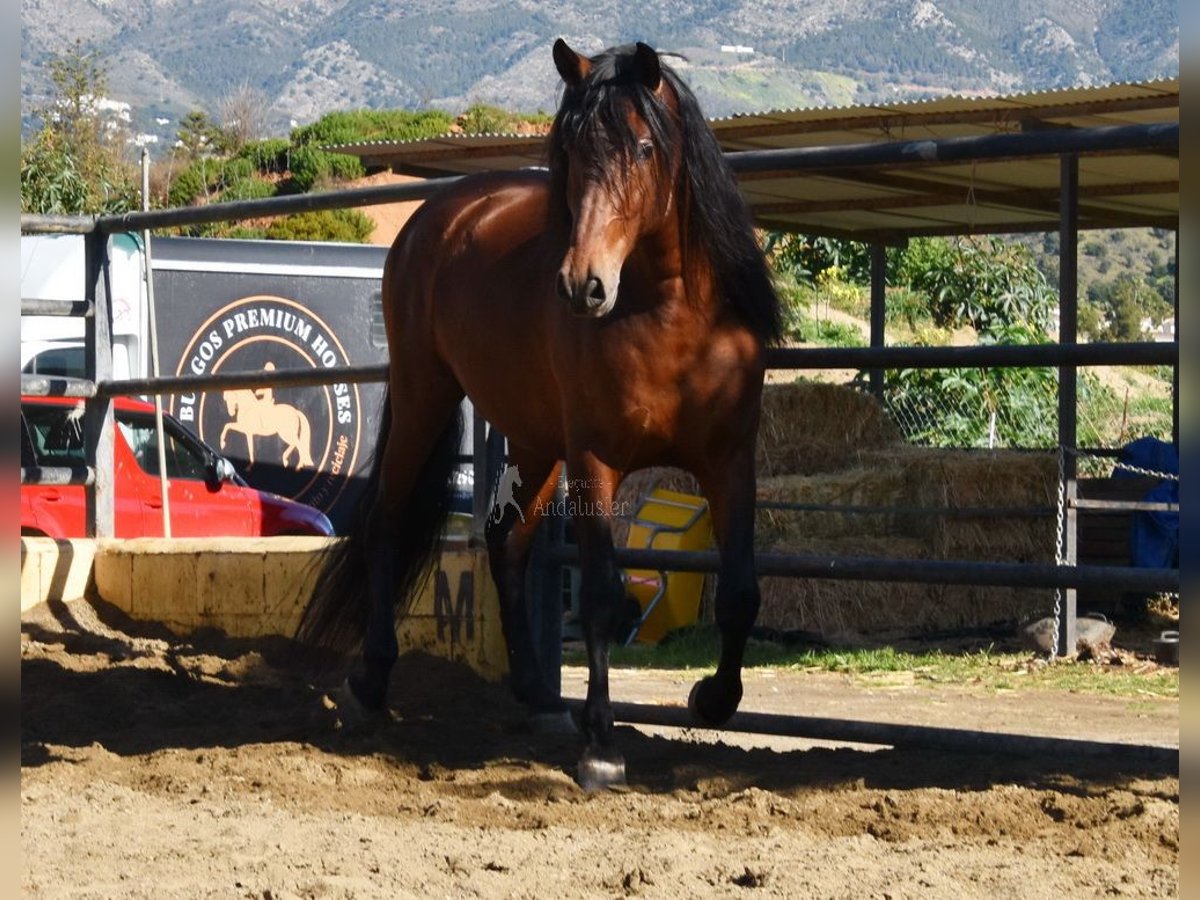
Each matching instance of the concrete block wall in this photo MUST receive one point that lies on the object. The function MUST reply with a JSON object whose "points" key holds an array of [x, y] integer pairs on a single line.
{"points": [[253, 587]]}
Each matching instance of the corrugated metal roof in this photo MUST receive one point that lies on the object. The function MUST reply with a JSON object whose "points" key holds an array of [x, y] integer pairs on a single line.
{"points": [[1137, 187]]}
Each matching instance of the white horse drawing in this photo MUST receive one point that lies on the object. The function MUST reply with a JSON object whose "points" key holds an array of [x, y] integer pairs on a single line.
{"points": [[509, 478]]}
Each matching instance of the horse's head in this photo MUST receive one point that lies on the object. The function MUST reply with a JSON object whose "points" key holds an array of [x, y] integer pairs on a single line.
{"points": [[615, 158]]}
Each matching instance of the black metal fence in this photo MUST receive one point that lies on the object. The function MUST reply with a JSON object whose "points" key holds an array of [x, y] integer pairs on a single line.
{"points": [[98, 387]]}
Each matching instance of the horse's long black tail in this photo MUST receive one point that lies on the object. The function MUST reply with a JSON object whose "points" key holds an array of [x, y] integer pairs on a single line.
{"points": [[336, 615]]}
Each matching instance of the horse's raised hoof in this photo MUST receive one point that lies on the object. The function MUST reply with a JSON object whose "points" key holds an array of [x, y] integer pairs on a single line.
{"points": [[353, 714], [712, 704], [598, 773], [560, 722]]}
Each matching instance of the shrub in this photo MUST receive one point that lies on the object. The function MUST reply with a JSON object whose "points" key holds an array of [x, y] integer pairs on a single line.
{"points": [[352, 126], [193, 182], [269, 156], [252, 188], [348, 225], [311, 167], [236, 169]]}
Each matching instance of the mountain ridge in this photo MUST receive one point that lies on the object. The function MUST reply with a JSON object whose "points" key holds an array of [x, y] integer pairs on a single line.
{"points": [[166, 57]]}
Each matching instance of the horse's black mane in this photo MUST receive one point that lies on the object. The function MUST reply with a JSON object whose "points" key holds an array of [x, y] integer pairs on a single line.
{"points": [[590, 126]]}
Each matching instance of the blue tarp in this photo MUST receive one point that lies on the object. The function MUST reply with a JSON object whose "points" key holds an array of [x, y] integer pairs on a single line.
{"points": [[1153, 536]]}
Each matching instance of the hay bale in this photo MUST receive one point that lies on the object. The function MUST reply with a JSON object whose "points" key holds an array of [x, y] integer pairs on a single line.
{"points": [[879, 486], [907, 479], [843, 610], [808, 427]]}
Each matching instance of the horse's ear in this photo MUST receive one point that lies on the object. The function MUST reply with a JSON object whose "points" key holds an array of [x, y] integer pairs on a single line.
{"points": [[647, 66], [571, 66]]}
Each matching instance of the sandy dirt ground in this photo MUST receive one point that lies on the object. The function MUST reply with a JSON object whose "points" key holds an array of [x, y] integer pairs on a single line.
{"points": [[162, 767]]}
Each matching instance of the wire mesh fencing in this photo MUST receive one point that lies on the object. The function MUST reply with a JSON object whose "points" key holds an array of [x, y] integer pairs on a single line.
{"points": [[1017, 408]]}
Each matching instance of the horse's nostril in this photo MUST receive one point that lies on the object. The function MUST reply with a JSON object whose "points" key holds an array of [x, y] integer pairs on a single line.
{"points": [[595, 292]]}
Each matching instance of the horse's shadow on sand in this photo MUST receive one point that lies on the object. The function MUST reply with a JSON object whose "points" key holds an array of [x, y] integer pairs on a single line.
{"points": [[136, 689]]}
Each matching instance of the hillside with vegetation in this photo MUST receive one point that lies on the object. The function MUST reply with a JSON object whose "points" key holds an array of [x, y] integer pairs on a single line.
{"points": [[169, 57]]}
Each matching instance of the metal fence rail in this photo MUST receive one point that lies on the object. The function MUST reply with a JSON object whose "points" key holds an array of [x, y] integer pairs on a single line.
{"points": [[914, 571], [1067, 355]]}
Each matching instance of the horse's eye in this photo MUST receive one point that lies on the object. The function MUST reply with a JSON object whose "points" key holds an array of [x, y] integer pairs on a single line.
{"points": [[645, 150]]}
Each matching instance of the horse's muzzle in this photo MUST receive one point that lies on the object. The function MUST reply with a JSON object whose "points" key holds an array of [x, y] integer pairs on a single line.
{"points": [[585, 298]]}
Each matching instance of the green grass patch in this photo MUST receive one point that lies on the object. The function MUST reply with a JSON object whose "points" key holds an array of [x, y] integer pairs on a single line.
{"points": [[698, 648]]}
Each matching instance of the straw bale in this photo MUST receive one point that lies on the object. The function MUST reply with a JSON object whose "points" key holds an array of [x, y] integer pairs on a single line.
{"points": [[843, 610], [909, 478], [809, 427]]}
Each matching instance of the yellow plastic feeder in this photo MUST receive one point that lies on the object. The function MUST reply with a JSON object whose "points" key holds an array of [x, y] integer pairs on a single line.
{"points": [[667, 520]]}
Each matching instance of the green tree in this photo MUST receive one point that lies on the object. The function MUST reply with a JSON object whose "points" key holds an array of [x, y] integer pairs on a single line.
{"points": [[1126, 302], [199, 135], [986, 283], [76, 161]]}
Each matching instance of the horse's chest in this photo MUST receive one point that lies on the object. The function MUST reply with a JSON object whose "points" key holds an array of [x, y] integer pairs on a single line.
{"points": [[641, 409]]}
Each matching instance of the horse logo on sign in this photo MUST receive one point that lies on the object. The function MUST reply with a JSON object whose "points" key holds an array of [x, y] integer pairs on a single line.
{"points": [[255, 412]]}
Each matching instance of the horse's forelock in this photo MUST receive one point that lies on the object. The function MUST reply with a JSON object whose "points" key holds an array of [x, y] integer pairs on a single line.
{"points": [[591, 128]]}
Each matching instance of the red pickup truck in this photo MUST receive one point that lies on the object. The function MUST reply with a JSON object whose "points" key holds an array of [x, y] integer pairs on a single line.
{"points": [[206, 496]]}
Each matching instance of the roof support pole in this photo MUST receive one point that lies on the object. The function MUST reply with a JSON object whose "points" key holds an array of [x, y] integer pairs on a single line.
{"points": [[878, 310], [1068, 307]]}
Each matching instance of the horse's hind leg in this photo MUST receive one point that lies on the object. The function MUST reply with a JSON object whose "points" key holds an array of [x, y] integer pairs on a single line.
{"points": [[509, 541], [413, 475], [730, 493]]}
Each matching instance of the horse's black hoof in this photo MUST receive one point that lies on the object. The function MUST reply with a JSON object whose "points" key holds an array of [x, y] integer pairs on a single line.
{"points": [[598, 772], [711, 703]]}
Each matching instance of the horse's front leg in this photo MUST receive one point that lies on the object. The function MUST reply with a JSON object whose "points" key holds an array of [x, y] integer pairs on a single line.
{"points": [[730, 491], [591, 488]]}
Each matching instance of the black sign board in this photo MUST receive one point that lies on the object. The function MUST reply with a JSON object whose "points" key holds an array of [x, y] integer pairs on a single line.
{"points": [[235, 306]]}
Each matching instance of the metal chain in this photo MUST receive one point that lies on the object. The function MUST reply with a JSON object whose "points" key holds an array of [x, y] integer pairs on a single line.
{"points": [[1059, 554], [1161, 476], [1129, 467], [1060, 515]]}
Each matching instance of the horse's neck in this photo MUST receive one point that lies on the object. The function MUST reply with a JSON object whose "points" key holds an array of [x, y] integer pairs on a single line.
{"points": [[677, 280]]}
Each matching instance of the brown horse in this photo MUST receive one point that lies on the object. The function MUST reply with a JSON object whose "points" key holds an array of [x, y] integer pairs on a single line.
{"points": [[611, 313]]}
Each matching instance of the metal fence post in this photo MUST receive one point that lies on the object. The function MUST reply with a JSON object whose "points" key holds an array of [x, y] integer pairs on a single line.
{"points": [[98, 423], [1068, 406], [481, 490]]}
